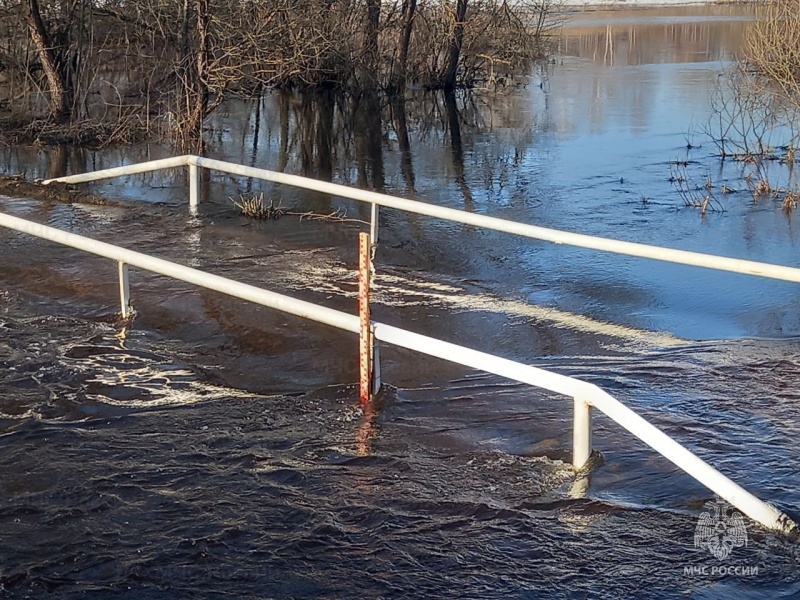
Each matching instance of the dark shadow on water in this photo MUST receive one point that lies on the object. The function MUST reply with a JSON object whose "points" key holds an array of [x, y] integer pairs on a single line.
{"points": [[400, 123], [457, 149], [368, 130]]}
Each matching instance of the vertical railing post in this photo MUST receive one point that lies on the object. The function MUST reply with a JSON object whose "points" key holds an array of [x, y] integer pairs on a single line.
{"points": [[194, 188], [124, 290], [581, 433], [374, 346], [373, 224], [375, 363], [365, 332]]}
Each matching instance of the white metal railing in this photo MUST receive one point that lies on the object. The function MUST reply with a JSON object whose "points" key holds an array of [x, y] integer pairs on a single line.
{"points": [[697, 259], [585, 395]]}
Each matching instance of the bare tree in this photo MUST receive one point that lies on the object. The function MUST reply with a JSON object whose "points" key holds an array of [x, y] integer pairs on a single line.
{"points": [[196, 82], [455, 42], [371, 45], [58, 83], [399, 79], [167, 64], [773, 47]]}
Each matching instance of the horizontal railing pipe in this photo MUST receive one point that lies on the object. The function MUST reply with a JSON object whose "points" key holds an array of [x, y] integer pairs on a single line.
{"points": [[660, 253], [223, 285], [756, 509], [684, 257], [753, 507], [135, 169]]}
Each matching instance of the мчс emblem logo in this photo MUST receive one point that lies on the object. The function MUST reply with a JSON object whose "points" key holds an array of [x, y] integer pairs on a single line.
{"points": [[720, 529]]}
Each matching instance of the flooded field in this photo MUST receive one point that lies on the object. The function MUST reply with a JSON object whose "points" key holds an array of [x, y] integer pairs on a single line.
{"points": [[216, 449]]}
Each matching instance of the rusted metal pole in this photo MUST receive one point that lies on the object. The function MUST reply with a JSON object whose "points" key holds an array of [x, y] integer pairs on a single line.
{"points": [[365, 331]]}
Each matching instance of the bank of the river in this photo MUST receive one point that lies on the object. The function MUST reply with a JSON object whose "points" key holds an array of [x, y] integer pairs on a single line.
{"points": [[612, 5]]}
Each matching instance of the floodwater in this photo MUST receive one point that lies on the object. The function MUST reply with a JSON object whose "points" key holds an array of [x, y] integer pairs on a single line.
{"points": [[216, 449]]}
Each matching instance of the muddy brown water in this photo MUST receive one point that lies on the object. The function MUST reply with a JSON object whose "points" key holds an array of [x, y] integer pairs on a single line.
{"points": [[216, 449]]}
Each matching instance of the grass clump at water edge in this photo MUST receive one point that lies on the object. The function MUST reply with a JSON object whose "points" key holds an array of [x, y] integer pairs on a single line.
{"points": [[255, 208]]}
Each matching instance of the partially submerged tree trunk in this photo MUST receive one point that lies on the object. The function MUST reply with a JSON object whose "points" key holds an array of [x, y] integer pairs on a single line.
{"points": [[400, 75], [454, 51], [370, 76], [59, 87], [194, 75]]}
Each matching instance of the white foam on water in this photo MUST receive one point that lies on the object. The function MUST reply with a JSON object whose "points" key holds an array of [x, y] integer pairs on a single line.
{"points": [[398, 291]]}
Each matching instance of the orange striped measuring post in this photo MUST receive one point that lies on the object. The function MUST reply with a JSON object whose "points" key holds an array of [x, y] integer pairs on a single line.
{"points": [[365, 333]]}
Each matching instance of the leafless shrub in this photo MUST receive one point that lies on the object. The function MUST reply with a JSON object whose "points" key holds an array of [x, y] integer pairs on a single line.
{"points": [[744, 116], [693, 195], [89, 133]]}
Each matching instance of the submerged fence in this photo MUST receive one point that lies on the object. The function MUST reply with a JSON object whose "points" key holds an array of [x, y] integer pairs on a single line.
{"points": [[585, 395]]}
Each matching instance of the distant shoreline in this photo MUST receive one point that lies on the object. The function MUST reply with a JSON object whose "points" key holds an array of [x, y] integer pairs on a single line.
{"points": [[645, 4]]}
